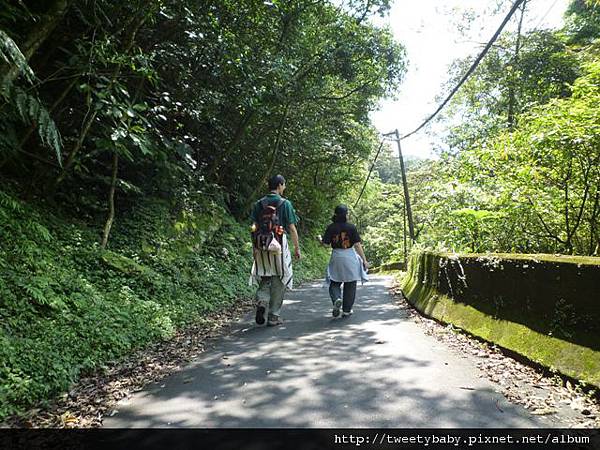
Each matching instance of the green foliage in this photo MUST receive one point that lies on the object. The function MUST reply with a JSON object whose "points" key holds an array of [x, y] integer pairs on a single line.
{"points": [[532, 190], [506, 84], [549, 170], [380, 220], [313, 263], [259, 88], [522, 170], [21, 103], [11, 55], [67, 307], [583, 21]]}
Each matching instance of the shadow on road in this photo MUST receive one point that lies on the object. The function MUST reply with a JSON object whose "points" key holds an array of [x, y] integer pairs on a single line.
{"points": [[373, 369]]}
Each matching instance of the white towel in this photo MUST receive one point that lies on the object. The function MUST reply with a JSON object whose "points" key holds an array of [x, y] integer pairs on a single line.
{"points": [[345, 265], [267, 264]]}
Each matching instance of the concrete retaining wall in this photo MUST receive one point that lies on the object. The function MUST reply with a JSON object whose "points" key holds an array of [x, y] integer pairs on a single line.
{"points": [[544, 307]]}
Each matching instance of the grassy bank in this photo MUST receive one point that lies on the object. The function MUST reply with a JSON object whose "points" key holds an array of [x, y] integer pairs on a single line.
{"points": [[67, 307]]}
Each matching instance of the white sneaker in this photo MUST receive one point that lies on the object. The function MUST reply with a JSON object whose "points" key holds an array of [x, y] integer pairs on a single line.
{"points": [[336, 308], [347, 313]]}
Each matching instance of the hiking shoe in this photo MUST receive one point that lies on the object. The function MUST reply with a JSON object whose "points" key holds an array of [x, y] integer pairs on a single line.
{"points": [[335, 312], [347, 313], [260, 313], [274, 321]]}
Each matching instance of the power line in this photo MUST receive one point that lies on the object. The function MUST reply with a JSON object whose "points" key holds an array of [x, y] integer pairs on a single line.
{"points": [[547, 12], [514, 7], [369, 175]]}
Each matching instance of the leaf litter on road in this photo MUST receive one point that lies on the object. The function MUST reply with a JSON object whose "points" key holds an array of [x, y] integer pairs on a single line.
{"points": [[540, 392]]}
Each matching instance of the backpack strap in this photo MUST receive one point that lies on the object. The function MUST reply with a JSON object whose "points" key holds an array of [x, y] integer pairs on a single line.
{"points": [[264, 202]]}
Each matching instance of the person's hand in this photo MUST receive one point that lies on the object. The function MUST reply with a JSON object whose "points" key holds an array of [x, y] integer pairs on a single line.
{"points": [[320, 239], [366, 264], [297, 254]]}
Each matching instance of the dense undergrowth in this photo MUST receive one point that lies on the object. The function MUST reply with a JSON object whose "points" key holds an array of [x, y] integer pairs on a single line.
{"points": [[67, 307]]}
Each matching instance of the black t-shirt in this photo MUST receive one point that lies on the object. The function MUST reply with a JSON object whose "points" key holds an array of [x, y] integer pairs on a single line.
{"points": [[341, 235]]}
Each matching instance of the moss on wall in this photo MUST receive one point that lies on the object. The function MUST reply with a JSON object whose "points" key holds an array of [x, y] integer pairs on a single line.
{"points": [[544, 307]]}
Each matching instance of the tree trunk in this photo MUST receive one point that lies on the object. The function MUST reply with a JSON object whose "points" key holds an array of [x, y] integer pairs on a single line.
{"points": [[87, 124], [594, 241], [268, 170], [111, 201], [235, 140], [39, 33], [512, 95], [91, 117]]}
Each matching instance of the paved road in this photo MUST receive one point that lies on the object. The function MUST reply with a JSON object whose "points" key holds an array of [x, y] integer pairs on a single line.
{"points": [[374, 369]]}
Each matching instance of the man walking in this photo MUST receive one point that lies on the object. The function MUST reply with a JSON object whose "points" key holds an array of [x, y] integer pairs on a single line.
{"points": [[273, 218]]}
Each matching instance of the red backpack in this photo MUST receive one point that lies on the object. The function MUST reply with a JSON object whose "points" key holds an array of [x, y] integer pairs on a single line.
{"points": [[268, 227]]}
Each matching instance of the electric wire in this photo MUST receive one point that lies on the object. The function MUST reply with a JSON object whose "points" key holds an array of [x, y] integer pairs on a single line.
{"points": [[514, 7], [369, 174]]}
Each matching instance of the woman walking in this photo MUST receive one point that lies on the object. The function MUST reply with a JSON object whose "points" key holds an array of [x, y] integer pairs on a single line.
{"points": [[347, 264]]}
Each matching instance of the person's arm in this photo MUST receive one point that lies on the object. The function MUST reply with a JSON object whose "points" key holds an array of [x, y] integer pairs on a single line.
{"points": [[325, 240], [361, 253], [294, 234], [254, 217], [324, 244]]}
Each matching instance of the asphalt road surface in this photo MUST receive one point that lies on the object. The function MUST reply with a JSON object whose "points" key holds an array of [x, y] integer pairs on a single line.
{"points": [[373, 369]]}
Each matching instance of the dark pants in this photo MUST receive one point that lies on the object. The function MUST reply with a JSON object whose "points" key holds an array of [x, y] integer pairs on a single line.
{"points": [[335, 292]]}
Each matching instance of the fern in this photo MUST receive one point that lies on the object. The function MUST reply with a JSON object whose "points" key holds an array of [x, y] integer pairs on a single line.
{"points": [[9, 203], [9, 141], [35, 293], [10, 53], [32, 111], [39, 289], [37, 230], [28, 106], [49, 133]]}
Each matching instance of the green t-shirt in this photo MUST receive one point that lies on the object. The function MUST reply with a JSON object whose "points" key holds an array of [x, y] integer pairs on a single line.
{"points": [[286, 212]]}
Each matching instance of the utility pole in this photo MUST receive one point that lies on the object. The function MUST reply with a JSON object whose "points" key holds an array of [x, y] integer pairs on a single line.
{"points": [[404, 235], [411, 227]]}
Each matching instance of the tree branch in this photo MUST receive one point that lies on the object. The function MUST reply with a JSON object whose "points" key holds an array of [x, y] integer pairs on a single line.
{"points": [[347, 94], [546, 227]]}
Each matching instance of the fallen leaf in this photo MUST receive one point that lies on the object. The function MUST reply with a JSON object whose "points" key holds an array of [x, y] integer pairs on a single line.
{"points": [[68, 419], [543, 412]]}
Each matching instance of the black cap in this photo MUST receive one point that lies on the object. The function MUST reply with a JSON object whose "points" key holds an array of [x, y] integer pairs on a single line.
{"points": [[340, 214], [341, 210]]}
